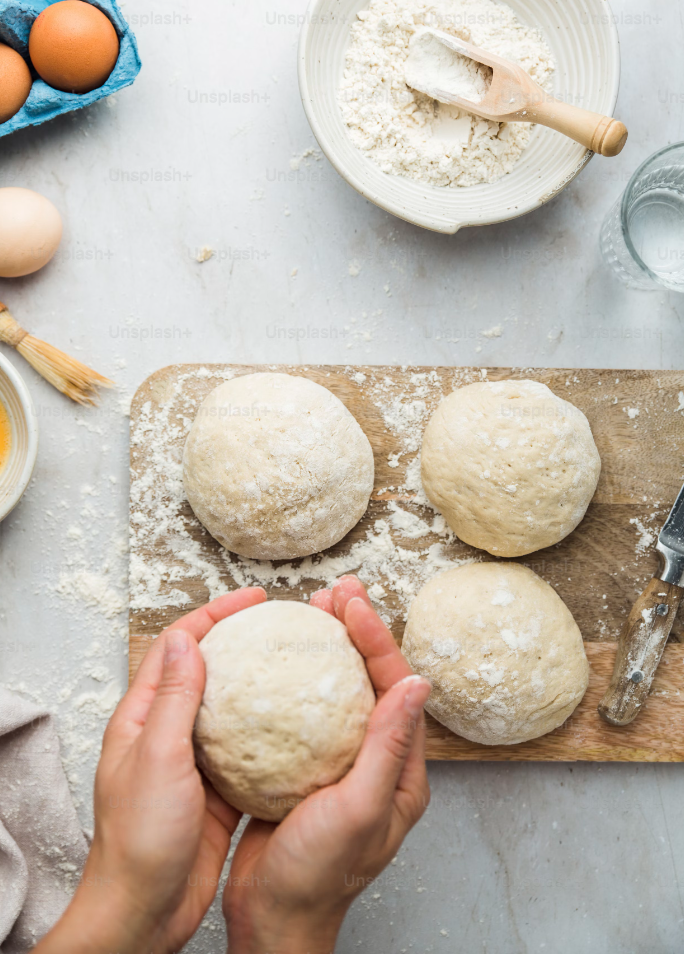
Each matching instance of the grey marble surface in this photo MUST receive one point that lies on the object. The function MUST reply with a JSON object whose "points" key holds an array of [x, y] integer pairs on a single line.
{"points": [[509, 859]]}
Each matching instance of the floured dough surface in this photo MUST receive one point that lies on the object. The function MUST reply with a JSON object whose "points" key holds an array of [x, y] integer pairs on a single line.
{"points": [[512, 466], [502, 651], [285, 708], [275, 467]]}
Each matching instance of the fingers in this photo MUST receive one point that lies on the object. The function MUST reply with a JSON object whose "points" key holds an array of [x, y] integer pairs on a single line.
{"points": [[217, 831], [372, 638], [323, 600], [129, 717], [388, 745], [131, 713], [384, 661], [214, 844], [172, 715], [412, 796], [200, 621], [345, 589], [335, 601], [225, 814]]}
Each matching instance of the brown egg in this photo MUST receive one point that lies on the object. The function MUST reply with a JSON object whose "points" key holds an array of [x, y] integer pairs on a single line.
{"points": [[73, 46], [15, 82], [30, 231]]}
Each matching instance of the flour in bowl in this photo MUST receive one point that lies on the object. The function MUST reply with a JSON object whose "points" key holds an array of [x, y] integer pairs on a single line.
{"points": [[432, 66], [406, 132]]}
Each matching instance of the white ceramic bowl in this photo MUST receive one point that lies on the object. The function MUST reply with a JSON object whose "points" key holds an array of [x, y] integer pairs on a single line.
{"points": [[15, 476], [583, 38]]}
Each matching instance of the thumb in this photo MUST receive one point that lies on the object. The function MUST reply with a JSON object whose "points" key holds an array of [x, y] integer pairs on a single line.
{"points": [[173, 712], [388, 741]]}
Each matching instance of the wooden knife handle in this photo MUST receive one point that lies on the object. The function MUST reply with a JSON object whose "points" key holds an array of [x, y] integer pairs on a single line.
{"points": [[641, 645]]}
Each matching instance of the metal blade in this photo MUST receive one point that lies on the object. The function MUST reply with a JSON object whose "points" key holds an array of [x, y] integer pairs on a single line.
{"points": [[671, 544]]}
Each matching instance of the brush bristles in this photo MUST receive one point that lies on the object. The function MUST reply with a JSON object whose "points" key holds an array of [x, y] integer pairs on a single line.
{"points": [[69, 376], [64, 373]]}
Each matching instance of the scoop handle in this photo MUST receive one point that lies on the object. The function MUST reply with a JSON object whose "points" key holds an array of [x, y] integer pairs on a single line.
{"points": [[640, 648], [601, 134]]}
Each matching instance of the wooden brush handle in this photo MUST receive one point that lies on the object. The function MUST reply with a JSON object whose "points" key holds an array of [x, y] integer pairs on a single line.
{"points": [[11, 332], [68, 375], [599, 133], [641, 645]]}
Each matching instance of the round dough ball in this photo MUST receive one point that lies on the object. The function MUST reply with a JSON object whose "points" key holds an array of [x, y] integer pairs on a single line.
{"points": [[501, 649], [285, 707], [511, 466], [276, 467]]}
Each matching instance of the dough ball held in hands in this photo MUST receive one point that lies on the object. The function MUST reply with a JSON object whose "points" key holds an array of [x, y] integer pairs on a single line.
{"points": [[502, 651], [285, 708], [511, 466], [275, 467]]}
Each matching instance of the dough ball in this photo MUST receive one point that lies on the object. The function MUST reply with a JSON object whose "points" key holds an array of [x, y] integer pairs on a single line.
{"points": [[511, 466], [285, 707], [276, 467], [501, 649]]}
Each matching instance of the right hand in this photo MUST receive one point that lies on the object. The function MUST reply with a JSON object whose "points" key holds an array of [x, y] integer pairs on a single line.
{"points": [[291, 885]]}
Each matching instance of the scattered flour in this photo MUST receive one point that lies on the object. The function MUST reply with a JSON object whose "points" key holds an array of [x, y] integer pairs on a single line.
{"points": [[174, 563], [304, 157], [646, 536], [93, 590], [80, 671], [399, 552], [410, 134]]}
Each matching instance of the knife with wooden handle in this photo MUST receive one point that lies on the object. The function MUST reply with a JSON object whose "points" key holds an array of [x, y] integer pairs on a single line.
{"points": [[646, 632]]}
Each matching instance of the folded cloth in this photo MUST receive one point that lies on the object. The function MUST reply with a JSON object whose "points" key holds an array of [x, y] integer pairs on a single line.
{"points": [[42, 846]]}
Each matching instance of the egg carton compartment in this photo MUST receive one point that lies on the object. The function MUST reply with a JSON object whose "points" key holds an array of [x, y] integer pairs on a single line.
{"points": [[44, 102]]}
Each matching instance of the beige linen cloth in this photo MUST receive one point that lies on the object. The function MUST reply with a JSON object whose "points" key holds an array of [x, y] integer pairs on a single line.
{"points": [[42, 847]]}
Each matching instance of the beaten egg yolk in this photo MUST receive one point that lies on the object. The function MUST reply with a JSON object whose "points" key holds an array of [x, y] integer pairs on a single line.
{"points": [[5, 437]]}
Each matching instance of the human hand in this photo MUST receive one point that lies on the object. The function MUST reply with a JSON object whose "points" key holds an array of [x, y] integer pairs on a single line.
{"points": [[162, 834], [291, 885]]}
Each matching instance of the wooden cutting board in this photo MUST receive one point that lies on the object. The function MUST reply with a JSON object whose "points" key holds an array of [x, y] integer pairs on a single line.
{"points": [[637, 418]]}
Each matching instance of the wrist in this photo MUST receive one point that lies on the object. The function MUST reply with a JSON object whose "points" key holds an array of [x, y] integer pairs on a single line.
{"points": [[275, 931], [299, 940], [100, 920]]}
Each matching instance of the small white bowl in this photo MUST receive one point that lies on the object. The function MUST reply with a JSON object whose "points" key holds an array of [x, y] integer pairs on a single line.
{"points": [[16, 475], [583, 38]]}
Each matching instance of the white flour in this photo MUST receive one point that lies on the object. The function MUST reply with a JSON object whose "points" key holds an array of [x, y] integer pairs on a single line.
{"points": [[433, 66], [409, 134]]}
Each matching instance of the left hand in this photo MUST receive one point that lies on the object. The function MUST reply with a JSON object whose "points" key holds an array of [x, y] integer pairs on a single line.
{"points": [[162, 834]]}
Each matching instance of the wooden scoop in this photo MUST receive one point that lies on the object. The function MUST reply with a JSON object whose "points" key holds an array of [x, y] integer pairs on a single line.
{"points": [[515, 97]]}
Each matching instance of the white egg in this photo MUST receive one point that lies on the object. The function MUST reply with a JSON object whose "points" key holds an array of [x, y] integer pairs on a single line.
{"points": [[30, 232]]}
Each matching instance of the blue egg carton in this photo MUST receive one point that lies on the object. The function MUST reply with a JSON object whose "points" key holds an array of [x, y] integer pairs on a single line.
{"points": [[44, 102]]}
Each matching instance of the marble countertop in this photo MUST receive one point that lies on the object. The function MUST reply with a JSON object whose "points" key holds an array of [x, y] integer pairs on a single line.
{"points": [[209, 149]]}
